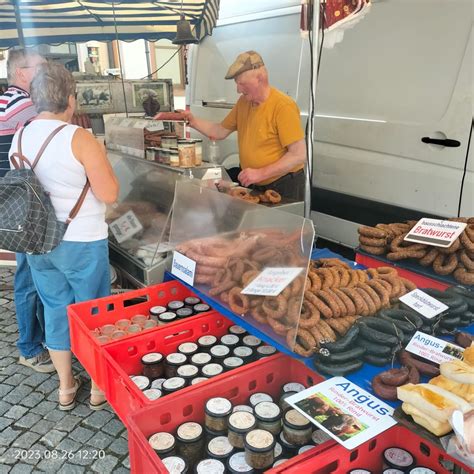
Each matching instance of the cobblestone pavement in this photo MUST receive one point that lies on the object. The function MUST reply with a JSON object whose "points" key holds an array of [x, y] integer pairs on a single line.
{"points": [[35, 436]]}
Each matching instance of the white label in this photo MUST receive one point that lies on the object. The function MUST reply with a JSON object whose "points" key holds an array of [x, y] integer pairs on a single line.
{"points": [[212, 173], [272, 281], [219, 406], [433, 349], [346, 412], [176, 358], [125, 226], [183, 267], [140, 124], [293, 387], [157, 126], [435, 232], [259, 397], [173, 383], [424, 304], [220, 446]]}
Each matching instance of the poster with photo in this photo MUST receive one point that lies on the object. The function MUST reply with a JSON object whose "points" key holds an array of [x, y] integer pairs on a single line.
{"points": [[144, 90], [344, 411], [93, 95]]}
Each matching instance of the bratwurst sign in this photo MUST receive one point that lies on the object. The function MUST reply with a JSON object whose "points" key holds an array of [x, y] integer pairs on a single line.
{"points": [[435, 232]]}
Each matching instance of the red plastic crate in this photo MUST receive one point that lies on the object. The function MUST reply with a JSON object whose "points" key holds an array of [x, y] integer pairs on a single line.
{"points": [[421, 281], [268, 375], [369, 455], [123, 357], [88, 315]]}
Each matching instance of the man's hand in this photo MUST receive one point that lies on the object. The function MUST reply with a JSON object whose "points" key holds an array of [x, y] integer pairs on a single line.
{"points": [[250, 176]]}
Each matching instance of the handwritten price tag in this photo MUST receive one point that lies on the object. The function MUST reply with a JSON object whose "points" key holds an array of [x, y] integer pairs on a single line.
{"points": [[423, 303], [272, 281], [125, 227]]}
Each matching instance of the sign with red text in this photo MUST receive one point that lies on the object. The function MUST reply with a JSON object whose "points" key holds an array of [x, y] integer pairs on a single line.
{"points": [[433, 349], [272, 281], [435, 232], [125, 227]]}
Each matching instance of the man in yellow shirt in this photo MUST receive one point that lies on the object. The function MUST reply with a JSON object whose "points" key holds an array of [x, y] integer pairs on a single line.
{"points": [[272, 148]]}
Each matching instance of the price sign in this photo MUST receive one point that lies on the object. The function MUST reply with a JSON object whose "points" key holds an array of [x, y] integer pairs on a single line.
{"points": [[183, 267], [125, 227], [435, 232], [272, 281], [156, 127], [423, 303], [434, 349]]}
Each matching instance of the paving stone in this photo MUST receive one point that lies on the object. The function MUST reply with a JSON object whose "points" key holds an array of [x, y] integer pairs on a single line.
{"points": [[48, 386], [21, 468], [8, 435], [70, 446], [17, 394], [81, 435], [126, 462], [105, 464], [26, 440], [53, 438], [98, 419], [4, 422], [81, 410], [4, 389], [44, 407], [51, 465], [119, 446], [121, 470], [32, 399], [28, 420], [113, 427], [4, 406], [34, 454], [68, 423], [16, 412], [100, 440], [35, 379], [43, 426], [4, 469], [83, 459], [71, 469], [55, 415], [15, 380]]}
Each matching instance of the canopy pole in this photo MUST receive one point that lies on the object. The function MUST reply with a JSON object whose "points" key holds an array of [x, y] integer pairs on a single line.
{"points": [[120, 60], [19, 26]]}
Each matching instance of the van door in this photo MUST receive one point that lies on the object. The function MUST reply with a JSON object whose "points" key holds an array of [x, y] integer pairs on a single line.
{"points": [[400, 79]]}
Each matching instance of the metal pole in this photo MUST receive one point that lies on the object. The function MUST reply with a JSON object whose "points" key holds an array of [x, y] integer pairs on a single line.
{"points": [[120, 60], [19, 26], [147, 57]]}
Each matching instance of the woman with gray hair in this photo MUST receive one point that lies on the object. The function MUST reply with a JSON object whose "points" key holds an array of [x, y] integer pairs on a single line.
{"points": [[78, 268]]}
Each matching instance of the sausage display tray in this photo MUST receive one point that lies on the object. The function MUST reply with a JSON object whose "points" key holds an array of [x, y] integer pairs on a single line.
{"points": [[89, 315], [167, 414]]}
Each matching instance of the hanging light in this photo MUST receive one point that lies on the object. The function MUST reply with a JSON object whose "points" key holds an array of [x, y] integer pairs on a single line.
{"points": [[184, 35]]}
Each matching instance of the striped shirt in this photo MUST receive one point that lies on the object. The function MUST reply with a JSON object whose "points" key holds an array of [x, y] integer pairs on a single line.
{"points": [[16, 109]]}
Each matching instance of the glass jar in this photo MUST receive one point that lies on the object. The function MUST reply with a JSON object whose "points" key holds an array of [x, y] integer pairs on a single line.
{"points": [[163, 444], [167, 317], [139, 319], [188, 348], [319, 437], [173, 385], [153, 393], [219, 352], [245, 353], [211, 370], [259, 449], [206, 342], [251, 341], [220, 448], [238, 331], [294, 387], [183, 313], [305, 448], [210, 466], [122, 324], [173, 361], [239, 424], [237, 464], [157, 383], [107, 329], [216, 412], [266, 351], [191, 441], [187, 153], [284, 405], [289, 449], [200, 359], [297, 428], [246, 408], [268, 415], [201, 308], [175, 464], [197, 152], [398, 458], [278, 451], [117, 335], [230, 363], [279, 462], [258, 397], [140, 381], [174, 305], [190, 301], [155, 311], [134, 329], [150, 324], [174, 157], [169, 141], [153, 365], [198, 380], [230, 340], [187, 372]]}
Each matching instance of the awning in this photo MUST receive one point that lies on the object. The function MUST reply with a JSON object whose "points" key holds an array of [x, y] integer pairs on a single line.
{"points": [[59, 21]]}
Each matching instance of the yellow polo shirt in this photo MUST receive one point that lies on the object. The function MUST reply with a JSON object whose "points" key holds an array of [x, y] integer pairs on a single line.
{"points": [[265, 131]]}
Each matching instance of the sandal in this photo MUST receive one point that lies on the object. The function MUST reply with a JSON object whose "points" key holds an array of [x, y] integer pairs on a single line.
{"points": [[70, 391], [97, 406]]}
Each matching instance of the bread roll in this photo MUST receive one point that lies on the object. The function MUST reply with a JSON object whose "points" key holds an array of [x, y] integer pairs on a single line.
{"points": [[462, 390], [438, 428], [458, 371]]}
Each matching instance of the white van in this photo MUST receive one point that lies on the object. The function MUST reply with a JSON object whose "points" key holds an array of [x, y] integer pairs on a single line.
{"points": [[400, 78]]}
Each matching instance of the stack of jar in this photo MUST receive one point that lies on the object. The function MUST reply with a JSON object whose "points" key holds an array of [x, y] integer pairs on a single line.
{"points": [[182, 152], [197, 361], [239, 439]]}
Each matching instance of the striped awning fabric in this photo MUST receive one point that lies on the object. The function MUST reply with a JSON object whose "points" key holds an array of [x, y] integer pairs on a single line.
{"points": [[60, 21]]}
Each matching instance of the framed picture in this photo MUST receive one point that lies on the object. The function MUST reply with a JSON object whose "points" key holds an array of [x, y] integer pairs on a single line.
{"points": [[93, 95], [155, 90]]}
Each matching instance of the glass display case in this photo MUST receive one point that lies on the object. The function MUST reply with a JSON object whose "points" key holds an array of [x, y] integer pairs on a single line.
{"points": [[250, 258], [139, 221]]}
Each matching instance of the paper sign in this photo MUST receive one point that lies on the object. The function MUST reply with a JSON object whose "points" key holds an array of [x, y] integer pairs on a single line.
{"points": [[344, 411], [212, 173], [157, 126], [435, 232], [125, 226], [272, 281], [433, 349], [424, 304], [183, 267]]}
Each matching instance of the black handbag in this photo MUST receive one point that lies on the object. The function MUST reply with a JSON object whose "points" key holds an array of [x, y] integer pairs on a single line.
{"points": [[28, 222]]}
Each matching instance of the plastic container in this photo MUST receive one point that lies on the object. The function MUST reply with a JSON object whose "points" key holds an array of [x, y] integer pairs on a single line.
{"points": [[89, 315], [267, 375]]}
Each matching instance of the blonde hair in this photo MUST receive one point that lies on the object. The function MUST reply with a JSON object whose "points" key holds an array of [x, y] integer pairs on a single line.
{"points": [[18, 58], [51, 88]]}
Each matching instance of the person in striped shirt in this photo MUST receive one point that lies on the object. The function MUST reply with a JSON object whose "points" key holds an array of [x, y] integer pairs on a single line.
{"points": [[16, 108]]}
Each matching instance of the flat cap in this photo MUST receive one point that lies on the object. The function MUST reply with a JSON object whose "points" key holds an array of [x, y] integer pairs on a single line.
{"points": [[244, 62]]}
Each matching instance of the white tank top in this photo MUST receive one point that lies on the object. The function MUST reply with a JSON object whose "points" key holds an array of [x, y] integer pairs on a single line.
{"points": [[63, 177]]}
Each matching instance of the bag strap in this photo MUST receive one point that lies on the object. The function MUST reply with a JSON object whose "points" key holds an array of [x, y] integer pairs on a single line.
{"points": [[79, 202], [19, 155], [43, 147]]}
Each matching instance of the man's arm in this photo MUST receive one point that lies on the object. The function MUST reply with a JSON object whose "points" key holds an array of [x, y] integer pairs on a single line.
{"points": [[294, 157]]}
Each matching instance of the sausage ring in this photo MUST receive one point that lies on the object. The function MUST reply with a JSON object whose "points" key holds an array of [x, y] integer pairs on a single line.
{"points": [[429, 258], [454, 247], [345, 276], [249, 276], [236, 267], [463, 276], [239, 192], [467, 238], [326, 331], [278, 327], [372, 241], [329, 299], [238, 303], [274, 306], [324, 309], [467, 261], [272, 196], [382, 292], [372, 232], [315, 280], [348, 303], [336, 277], [259, 315], [222, 282], [373, 295], [328, 278], [408, 284], [387, 271], [406, 252], [445, 264], [250, 198], [372, 309], [373, 250]]}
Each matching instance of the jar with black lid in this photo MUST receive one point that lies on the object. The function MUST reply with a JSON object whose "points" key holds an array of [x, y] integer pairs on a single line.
{"points": [[305, 448], [293, 387], [191, 441], [278, 451], [153, 365], [237, 464], [173, 361], [200, 359], [259, 397], [239, 424], [187, 372], [183, 313], [175, 464], [247, 354], [398, 458], [157, 383], [140, 381], [266, 351], [289, 449], [259, 449], [201, 308], [152, 393], [217, 410], [210, 466], [230, 363], [246, 408], [219, 448], [198, 380], [268, 415], [167, 317], [174, 305], [297, 428], [251, 341], [219, 352], [319, 437], [190, 301], [284, 405], [173, 385], [163, 444], [209, 434], [155, 311], [206, 342], [238, 331], [230, 340], [211, 370], [188, 348]]}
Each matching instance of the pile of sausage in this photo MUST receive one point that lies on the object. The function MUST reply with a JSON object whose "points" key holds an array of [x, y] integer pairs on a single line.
{"points": [[458, 259], [153, 138], [268, 197]]}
